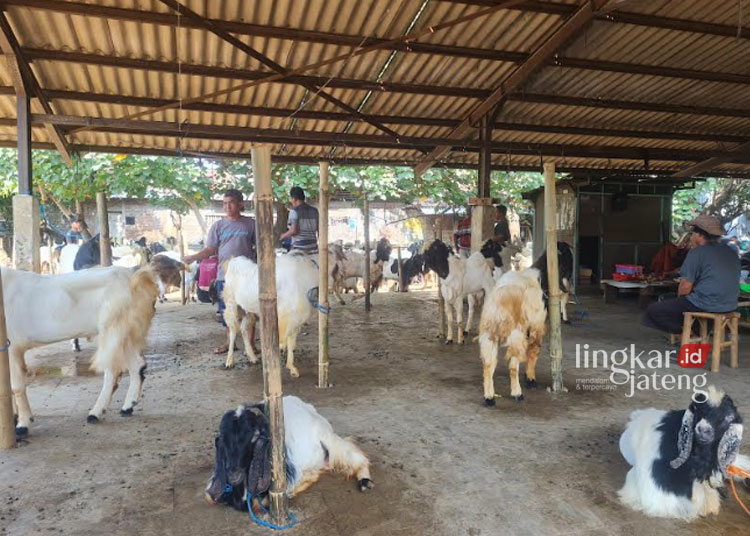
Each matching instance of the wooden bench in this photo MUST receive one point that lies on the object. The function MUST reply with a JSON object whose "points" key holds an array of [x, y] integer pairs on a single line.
{"points": [[646, 290], [722, 322]]}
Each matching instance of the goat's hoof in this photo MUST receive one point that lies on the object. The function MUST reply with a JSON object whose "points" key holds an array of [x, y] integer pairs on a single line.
{"points": [[365, 484], [489, 402], [466, 333], [293, 372], [126, 412], [21, 432], [518, 398], [92, 419], [531, 384], [566, 321], [227, 367], [449, 341]]}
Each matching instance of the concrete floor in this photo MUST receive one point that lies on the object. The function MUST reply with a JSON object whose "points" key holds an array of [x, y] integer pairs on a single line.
{"points": [[443, 463]]}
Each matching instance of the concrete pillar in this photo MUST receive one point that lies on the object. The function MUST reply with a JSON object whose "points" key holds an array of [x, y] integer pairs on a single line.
{"points": [[26, 240]]}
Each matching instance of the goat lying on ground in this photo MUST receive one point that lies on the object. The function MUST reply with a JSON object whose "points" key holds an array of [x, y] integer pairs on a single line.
{"points": [[513, 317], [680, 458], [565, 268], [242, 464], [296, 290], [112, 302], [461, 277]]}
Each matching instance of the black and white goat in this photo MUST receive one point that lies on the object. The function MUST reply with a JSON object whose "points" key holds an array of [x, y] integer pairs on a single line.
{"points": [[112, 303], [352, 267], [565, 269], [242, 465], [462, 277], [679, 458]]}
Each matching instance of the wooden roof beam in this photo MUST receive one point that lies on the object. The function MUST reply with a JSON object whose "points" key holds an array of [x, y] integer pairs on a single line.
{"points": [[741, 152], [316, 90], [387, 119], [26, 84], [242, 28], [318, 138], [515, 80]]}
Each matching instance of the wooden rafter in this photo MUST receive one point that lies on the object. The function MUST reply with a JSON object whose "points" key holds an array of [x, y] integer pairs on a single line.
{"points": [[26, 84], [294, 34], [517, 77], [739, 153], [315, 89], [314, 137]]}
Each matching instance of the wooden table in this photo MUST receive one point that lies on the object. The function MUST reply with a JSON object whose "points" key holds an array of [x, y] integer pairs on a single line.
{"points": [[646, 289]]}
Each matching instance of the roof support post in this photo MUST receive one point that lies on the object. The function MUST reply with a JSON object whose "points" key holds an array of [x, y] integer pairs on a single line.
{"points": [[481, 213], [23, 120]]}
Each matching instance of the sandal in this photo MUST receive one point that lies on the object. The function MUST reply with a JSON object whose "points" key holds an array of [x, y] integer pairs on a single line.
{"points": [[221, 349]]}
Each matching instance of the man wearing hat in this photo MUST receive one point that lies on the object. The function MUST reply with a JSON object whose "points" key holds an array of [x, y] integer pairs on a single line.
{"points": [[709, 279]]}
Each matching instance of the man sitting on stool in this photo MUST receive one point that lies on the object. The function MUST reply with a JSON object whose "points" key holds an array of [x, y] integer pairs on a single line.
{"points": [[709, 279]]}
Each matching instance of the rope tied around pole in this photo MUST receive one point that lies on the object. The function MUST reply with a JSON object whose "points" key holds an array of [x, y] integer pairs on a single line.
{"points": [[263, 523], [313, 295]]}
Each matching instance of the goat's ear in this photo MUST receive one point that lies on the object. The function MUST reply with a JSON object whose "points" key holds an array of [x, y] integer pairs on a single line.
{"points": [[259, 472], [729, 447], [684, 440]]}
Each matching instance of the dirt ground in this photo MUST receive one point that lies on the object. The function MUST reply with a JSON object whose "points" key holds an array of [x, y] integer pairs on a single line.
{"points": [[443, 464]]}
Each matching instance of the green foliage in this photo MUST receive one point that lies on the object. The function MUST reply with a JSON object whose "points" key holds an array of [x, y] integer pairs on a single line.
{"points": [[724, 198]]}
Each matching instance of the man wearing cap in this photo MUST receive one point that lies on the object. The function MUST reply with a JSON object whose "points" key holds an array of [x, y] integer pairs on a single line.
{"points": [[709, 279], [232, 236]]}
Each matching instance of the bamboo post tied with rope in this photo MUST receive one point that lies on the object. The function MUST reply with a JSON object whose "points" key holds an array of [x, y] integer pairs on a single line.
{"points": [[7, 427], [269, 331], [323, 362], [553, 277]]}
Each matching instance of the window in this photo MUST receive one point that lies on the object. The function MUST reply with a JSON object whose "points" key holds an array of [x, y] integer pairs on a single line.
{"points": [[129, 220]]}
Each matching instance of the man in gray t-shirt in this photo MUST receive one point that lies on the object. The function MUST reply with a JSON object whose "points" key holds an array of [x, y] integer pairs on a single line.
{"points": [[709, 279], [302, 223], [233, 236]]}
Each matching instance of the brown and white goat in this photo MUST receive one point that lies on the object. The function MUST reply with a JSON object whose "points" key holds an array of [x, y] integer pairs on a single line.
{"points": [[513, 317]]}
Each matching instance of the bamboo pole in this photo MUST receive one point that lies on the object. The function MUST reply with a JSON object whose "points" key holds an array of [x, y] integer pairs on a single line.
{"points": [[181, 246], [323, 278], [105, 250], [441, 300], [553, 277], [366, 210], [269, 330], [7, 429], [400, 273]]}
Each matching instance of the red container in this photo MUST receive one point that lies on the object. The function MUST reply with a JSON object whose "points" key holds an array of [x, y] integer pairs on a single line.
{"points": [[630, 269]]}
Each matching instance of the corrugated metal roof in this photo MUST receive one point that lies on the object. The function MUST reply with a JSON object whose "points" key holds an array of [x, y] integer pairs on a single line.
{"points": [[608, 60]]}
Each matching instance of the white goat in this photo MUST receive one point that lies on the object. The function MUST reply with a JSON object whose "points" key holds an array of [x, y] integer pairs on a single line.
{"points": [[113, 303], [296, 284], [459, 278], [514, 317], [242, 466], [680, 458]]}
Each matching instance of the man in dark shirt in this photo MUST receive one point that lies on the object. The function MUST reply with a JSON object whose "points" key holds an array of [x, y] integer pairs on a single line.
{"points": [[73, 236], [709, 279], [502, 230], [302, 223]]}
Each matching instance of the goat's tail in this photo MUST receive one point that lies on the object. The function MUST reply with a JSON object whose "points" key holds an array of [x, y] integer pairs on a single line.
{"points": [[124, 321], [347, 458]]}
